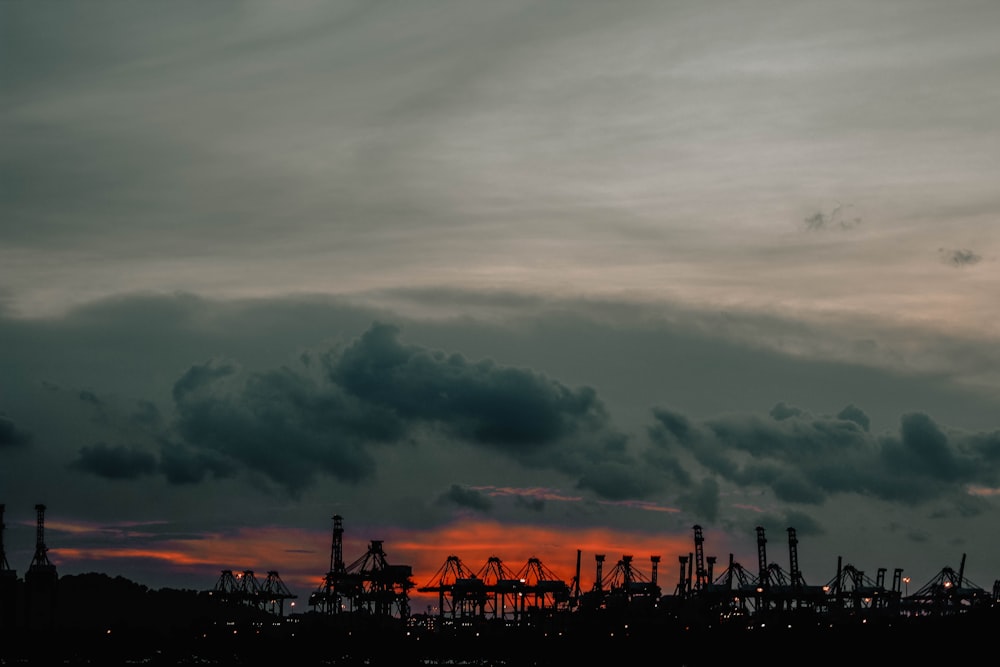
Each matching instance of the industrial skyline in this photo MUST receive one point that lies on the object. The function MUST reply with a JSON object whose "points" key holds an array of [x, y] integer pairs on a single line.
{"points": [[498, 279], [373, 583]]}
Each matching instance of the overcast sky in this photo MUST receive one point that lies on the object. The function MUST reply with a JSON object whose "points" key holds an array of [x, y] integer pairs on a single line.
{"points": [[499, 278]]}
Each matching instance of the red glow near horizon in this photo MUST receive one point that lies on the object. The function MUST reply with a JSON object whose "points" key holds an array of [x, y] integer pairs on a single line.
{"points": [[301, 557], [474, 542]]}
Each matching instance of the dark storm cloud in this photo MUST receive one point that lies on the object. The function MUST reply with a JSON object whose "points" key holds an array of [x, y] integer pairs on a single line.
{"points": [[703, 500], [181, 464], [515, 409], [147, 414], [290, 424], [803, 524], [804, 458], [924, 450], [115, 462], [672, 471], [282, 424], [616, 480], [985, 446], [200, 376], [529, 503], [959, 257], [10, 434], [465, 497], [856, 415], [782, 411]]}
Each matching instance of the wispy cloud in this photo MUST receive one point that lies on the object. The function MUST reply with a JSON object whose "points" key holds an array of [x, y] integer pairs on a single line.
{"points": [[837, 218], [960, 257]]}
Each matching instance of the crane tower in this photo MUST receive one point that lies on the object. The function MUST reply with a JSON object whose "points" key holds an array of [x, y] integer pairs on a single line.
{"points": [[40, 580]]}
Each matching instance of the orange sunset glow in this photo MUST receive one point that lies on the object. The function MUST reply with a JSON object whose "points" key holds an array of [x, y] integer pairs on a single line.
{"points": [[301, 557]]}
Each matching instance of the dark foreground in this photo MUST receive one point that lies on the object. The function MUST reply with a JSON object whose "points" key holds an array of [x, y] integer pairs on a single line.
{"points": [[98, 620], [919, 641]]}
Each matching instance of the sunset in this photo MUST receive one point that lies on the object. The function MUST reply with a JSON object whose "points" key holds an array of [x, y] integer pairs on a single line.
{"points": [[526, 280]]}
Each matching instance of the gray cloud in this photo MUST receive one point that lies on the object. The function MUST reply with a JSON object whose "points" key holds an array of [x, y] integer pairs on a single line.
{"points": [[529, 503], [11, 434], [782, 411], [514, 409], [200, 376], [466, 497], [805, 459], [620, 481], [282, 424], [292, 423], [856, 415], [923, 449], [182, 464], [115, 461], [837, 218], [147, 414], [804, 524], [703, 500], [88, 396], [959, 257]]}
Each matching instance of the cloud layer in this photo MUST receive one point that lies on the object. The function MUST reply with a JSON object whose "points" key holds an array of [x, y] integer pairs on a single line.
{"points": [[330, 414], [807, 459]]}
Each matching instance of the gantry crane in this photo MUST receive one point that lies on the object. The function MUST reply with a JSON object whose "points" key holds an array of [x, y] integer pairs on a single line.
{"points": [[949, 592], [458, 596], [543, 589], [503, 589], [369, 584]]}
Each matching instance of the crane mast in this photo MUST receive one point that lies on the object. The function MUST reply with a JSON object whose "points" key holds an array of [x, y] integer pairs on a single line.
{"points": [[761, 557], [337, 548], [793, 559], [701, 577], [40, 561]]}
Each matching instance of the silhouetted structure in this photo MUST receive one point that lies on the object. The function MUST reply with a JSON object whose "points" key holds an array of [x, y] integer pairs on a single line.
{"points": [[369, 585], [245, 589], [361, 614], [40, 580], [328, 599]]}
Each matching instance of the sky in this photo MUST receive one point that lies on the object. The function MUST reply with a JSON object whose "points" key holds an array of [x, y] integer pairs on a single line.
{"points": [[519, 279]]}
